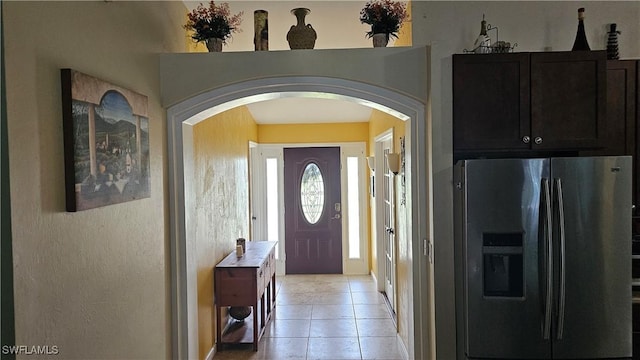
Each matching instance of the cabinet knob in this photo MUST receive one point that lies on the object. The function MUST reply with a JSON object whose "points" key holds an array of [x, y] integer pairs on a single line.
{"points": [[538, 140], [526, 139]]}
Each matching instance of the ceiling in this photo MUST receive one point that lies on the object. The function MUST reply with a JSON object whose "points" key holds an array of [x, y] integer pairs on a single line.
{"points": [[301, 110]]}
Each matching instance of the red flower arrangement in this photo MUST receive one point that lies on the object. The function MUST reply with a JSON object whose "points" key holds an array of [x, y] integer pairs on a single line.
{"points": [[214, 21], [384, 16]]}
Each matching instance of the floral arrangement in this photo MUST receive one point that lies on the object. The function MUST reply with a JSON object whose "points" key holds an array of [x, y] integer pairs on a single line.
{"points": [[384, 16], [213, 21]]}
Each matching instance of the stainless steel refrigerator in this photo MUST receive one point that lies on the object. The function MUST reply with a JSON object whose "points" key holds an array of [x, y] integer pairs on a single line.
{"points": [[543, 258]]}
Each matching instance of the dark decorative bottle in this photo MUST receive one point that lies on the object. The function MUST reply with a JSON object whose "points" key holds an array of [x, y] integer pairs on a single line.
{"points": [[612, 43], [581, 38]]}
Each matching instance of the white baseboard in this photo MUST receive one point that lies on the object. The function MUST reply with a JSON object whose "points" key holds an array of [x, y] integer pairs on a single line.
{"points": [[212, 352], [375, 279]]}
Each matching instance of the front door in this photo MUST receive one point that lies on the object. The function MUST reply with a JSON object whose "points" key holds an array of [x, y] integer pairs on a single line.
{"points": [[313, 210]]}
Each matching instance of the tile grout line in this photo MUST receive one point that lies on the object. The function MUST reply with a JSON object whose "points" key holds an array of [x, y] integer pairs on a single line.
{"points": [[353, 308]]}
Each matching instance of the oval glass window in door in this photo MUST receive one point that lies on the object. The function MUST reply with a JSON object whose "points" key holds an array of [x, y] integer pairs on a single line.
{"points": [[312, 193]]}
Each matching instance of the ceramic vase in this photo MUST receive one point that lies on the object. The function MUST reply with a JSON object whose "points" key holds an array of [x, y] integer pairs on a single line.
{"points": [[214, 44], [380, 40], [301, 35], [239, 312]]}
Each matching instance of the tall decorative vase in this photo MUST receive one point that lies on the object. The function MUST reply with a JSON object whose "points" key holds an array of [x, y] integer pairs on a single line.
{"points": [[214, 44], [261, 30], [380, 40], [301, 35]]}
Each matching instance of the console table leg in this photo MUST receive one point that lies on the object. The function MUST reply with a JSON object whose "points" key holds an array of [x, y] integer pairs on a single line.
{"points": [[256, 330], [219, 326], [268, 305], [273, 288], [262, 324]]}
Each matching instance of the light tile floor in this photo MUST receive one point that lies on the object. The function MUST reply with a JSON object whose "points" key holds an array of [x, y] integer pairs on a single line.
{"points": [[330, 317]]}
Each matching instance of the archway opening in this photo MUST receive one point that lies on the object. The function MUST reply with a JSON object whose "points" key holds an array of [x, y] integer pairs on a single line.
{"points": [[183, 116]]}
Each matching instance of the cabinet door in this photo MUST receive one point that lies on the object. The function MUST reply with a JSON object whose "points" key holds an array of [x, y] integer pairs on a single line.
{"points": [[490, 101], [619, 128], [568, 99]]}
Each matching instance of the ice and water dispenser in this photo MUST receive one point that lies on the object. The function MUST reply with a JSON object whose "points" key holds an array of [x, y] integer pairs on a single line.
{"points": [[503, 270]]}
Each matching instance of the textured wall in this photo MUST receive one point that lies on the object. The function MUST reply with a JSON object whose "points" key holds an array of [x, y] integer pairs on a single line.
{"points": [[93, 283], [312, 133], [221, 183]]}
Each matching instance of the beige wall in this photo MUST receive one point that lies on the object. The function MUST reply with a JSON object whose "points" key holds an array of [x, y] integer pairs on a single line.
{"points": [[93, 283], [323, 17], [221, 183]]}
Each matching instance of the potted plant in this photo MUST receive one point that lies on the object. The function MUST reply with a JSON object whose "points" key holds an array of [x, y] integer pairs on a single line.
{"points": [[385, 18], [213, 24]]}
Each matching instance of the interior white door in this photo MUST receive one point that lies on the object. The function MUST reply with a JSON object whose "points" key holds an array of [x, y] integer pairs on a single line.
{"points": [[389, 238]]}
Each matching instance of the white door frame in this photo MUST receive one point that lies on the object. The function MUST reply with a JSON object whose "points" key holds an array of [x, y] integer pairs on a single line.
{"points": [[180, 120]]}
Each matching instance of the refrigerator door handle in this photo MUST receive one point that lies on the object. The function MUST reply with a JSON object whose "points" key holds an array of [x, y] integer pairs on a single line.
{"points": [[561, 258], [549, 263]]}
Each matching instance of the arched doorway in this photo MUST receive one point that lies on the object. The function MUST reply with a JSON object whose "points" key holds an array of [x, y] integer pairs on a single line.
{"points": [[182, 116]]}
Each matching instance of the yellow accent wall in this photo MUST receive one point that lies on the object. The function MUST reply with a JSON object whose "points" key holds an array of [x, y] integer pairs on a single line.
{"points": [[189, 44], [313, 133], [221, 185], [405, 35], [379, 123]]}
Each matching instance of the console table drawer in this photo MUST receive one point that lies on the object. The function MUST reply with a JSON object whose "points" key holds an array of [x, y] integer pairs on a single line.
{"points": [[233, 286]]}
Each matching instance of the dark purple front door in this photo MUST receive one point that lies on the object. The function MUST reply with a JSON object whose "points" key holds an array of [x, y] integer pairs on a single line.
{"points": [[313, 211]]}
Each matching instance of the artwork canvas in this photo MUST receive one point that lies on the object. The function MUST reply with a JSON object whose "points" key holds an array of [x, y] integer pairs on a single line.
{"points": [[106, 142]]}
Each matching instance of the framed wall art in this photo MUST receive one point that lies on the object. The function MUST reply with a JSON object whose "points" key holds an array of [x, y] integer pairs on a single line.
{"points": [[106, 142]]}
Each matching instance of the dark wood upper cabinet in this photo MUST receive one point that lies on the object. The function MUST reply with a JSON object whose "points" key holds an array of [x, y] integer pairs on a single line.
{"points": [[551, 101], [491, 101], [568, 99]]}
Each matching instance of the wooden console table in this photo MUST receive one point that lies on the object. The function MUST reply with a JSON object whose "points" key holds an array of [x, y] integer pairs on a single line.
{"points": [[244, 281]]}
